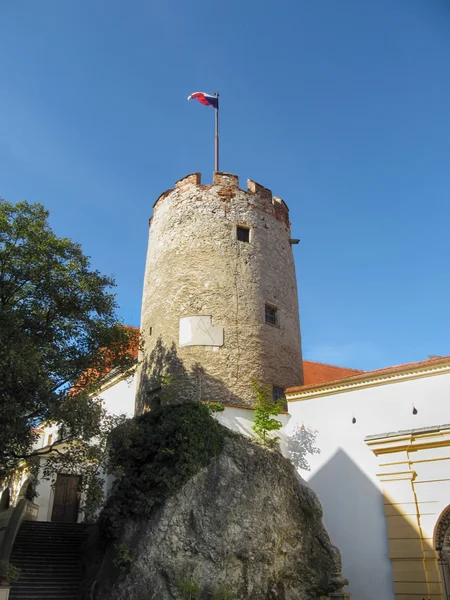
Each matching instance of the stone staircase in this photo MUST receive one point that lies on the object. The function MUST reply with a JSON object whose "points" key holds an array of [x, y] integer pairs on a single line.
{"points": [[50, 558]]}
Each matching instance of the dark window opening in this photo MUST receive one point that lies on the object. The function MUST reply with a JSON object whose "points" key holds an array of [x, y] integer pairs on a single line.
{"points": [[278, 394], [271, 315], [243, 234], [50, 440], [30, 493], [150, 330]]}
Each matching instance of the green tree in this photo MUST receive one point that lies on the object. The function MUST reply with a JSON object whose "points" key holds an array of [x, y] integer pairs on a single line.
{"points": [[266, 408], [59, 335]]}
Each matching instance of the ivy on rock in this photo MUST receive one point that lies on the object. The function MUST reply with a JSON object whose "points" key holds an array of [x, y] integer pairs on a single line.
{"points": [[153, 455]]}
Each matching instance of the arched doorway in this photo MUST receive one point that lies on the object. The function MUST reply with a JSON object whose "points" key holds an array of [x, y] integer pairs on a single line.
{"points": [[27, 490], [442, 545]]}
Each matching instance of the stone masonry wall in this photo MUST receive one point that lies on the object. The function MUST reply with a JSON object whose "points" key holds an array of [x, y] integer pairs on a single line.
{"points": [[196, 266]]}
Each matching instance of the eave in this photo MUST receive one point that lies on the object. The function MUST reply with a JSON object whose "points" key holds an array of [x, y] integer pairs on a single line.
{"points": [[371, 379]]}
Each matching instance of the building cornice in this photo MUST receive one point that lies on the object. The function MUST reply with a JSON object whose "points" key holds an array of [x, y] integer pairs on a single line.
{"points": [[413, 439]]}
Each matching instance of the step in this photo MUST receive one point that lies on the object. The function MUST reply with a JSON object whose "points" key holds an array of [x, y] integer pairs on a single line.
{"points": [[56, 534], [50, 570], [50, 535], [30, 535], [56, 596], [49, 584], [60, 594], [75, 595], [43, 581], [40, 561], [45, 588], [71, 548], [52, 551], [53, 524], [33, 544]]}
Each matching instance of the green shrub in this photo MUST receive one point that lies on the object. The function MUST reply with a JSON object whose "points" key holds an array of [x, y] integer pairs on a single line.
{"points": [[9, 572], [265, 408], [123, 559], [188, 588], [154, 455], [223, 593]]}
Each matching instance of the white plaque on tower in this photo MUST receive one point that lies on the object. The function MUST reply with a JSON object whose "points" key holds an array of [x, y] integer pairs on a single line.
{"points": [[198, 331]]}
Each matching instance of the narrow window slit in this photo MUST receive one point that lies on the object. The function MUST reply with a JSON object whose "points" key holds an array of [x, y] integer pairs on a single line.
{"points": [[243, 234]]}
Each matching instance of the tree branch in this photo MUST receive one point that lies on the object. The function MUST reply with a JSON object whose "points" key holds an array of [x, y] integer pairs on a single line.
{"points": [[48, 450]]}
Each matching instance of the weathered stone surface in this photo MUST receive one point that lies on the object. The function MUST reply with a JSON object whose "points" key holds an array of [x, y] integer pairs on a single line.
{"points": [[247, 522], [196, 266]]}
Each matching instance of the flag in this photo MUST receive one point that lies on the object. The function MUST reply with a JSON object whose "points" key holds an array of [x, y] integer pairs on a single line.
{"points": [[205, 99]]}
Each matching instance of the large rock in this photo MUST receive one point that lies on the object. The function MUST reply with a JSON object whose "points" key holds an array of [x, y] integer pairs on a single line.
{"points": [[247, 522]]}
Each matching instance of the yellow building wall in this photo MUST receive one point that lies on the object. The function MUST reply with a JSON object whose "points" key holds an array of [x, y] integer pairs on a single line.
{"points": [[414, 470]]}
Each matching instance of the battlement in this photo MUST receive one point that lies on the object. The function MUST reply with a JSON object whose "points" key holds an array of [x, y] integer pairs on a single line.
{"points": [[227, 186], [191, 179]]}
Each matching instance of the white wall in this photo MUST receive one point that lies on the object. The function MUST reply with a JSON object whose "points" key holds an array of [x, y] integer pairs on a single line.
{"points": [[119, 399], [344, 473], [44, 499], [241, 420]]}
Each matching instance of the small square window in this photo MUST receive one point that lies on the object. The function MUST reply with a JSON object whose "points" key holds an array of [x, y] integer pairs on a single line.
{"points": [[278, 394], [271, 315], [243, 234]]}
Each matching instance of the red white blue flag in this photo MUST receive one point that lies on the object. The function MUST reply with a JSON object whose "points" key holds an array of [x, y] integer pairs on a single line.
{"points": [[206, 99]]}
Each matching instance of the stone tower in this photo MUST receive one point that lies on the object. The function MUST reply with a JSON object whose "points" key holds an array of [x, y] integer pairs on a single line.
{"points": [[220, 303]]}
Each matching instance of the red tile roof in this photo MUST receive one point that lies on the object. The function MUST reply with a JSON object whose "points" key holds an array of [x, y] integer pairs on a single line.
{"points": [[316, 372], [377, 374], [95, 374]]}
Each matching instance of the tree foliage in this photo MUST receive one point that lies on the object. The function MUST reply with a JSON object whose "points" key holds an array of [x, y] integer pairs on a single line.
{"points": [[59, 334]]}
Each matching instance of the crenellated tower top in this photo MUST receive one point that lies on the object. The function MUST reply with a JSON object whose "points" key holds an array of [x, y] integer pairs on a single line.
{"points": [[226, 185]]}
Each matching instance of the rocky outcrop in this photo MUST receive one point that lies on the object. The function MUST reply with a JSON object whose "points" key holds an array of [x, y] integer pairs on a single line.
{"points": [[246, 527]]}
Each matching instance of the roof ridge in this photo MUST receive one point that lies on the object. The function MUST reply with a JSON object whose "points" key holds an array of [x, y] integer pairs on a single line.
{"points": [[316, 362], [424, 362]]}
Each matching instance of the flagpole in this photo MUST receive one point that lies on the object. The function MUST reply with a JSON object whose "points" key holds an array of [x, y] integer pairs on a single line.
{"points": [[216, 162]]}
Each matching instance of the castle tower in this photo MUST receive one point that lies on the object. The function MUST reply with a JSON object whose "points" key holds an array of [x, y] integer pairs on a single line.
{"points": [[220, 303]]}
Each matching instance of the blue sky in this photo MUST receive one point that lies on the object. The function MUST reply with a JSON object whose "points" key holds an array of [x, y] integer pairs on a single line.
{"points": [[340, 107]]}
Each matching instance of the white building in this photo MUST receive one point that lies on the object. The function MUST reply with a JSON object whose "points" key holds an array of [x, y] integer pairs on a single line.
{"points": [[383, 475]]}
